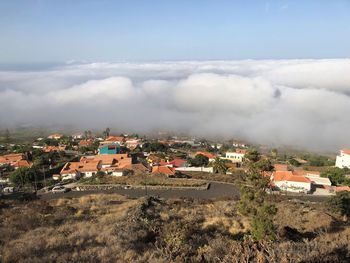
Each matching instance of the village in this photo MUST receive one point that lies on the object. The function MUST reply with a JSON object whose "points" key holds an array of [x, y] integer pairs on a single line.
{"points": [[82, 161]]}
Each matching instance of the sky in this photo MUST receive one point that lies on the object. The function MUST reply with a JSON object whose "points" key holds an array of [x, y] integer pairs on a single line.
{"points": [[46, 31], [269, 72]]}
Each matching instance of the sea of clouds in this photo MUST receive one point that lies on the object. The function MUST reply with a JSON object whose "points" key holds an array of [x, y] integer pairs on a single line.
{"points": [[304, 103]]}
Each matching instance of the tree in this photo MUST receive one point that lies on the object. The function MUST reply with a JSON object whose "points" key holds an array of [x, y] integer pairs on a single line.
{"points": [[340, 203], [219, 165], [23, 176], [7, 136], [336, 175], [252, 156], [199, 160], [253, 203], [100, 174], [263, 165], [108, 130], [155, 147], [274, 153], [86, 134], [294, 162]]}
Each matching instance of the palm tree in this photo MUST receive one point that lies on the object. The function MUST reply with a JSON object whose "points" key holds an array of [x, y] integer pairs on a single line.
{"points": [[108, 130], [219, 165]]}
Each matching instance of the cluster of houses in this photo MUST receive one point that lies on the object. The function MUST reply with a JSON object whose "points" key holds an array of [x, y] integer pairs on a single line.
{"points": [[110, 158], [87, 166], [15, 160]]}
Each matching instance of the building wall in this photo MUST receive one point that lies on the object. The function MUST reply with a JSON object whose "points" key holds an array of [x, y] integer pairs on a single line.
{"points": [[343, 160], [106, 150], [89, 174], [195, 169], [69, 176], [293, 186], [234, 157]]}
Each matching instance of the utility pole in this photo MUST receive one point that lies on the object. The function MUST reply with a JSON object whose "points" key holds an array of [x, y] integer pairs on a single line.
{"points": [[44, 176]]}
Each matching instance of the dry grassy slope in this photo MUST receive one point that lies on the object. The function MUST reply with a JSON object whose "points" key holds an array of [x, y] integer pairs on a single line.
{"points": [[100, 228]]}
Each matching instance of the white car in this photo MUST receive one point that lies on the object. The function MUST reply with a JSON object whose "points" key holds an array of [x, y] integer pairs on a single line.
{"points": [[59, 189], [8, 189]]}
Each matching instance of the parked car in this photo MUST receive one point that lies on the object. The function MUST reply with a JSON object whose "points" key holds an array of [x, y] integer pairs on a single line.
{"points": [[59, 189], [8, 189]]}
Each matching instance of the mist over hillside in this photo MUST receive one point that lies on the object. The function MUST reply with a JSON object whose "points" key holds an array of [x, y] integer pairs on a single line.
{"points": [[305, 103]]}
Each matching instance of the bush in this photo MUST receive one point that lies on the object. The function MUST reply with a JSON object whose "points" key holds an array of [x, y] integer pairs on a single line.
{"points": [[340, 203]]}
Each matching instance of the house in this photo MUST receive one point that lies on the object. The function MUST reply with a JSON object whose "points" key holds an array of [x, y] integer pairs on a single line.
{"points": [[78, 136], [173, 163], [210, 156], [16, 160], [236, 156], [114, 139], [287, 181], [11, 159], [342, 188], [280, 167], [132, 143], [85, 168], [55, 136], [108, 160], [166, 170], [239, 144], [86, 143], [111, 148], [343, 159], [314, 177], [153, 159], [23, 163], [50, 148], [111, 164]]}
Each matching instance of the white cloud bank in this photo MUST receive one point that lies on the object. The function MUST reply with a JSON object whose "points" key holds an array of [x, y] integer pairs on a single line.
{"points": [[304, 103]]}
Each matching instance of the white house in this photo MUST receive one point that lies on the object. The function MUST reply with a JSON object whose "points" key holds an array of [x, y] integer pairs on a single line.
{"points": [[74, 170], [287, 181], [343, 159], [235, 157]]}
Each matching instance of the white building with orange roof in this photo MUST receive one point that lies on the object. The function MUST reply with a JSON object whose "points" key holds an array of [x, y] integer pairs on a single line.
{"points": [[111, 164], [236, 156], [16, 160], [343, 159], [55, 136], [85, 168], [288, 181]]}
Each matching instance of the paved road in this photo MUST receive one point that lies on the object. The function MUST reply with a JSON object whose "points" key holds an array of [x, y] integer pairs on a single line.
{"points": [[216, 190]]}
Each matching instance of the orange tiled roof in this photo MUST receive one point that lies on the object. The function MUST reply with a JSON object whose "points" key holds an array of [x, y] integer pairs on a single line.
{"points": [[178, 162], [304, 172], [280, 167], [23, 163], [115, 139], [209, 155], [346, 151], [11, 158], [119, 160], [85, 143], [342, 188], [82, 166], [289, 176], [163, 170], [242, 151]]}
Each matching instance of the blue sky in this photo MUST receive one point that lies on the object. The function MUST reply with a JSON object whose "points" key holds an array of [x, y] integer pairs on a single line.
{"points": [[38, 31]]}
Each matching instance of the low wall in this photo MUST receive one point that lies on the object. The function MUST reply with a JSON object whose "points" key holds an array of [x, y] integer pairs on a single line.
{"points": [[195, 169], [105, 187]]}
